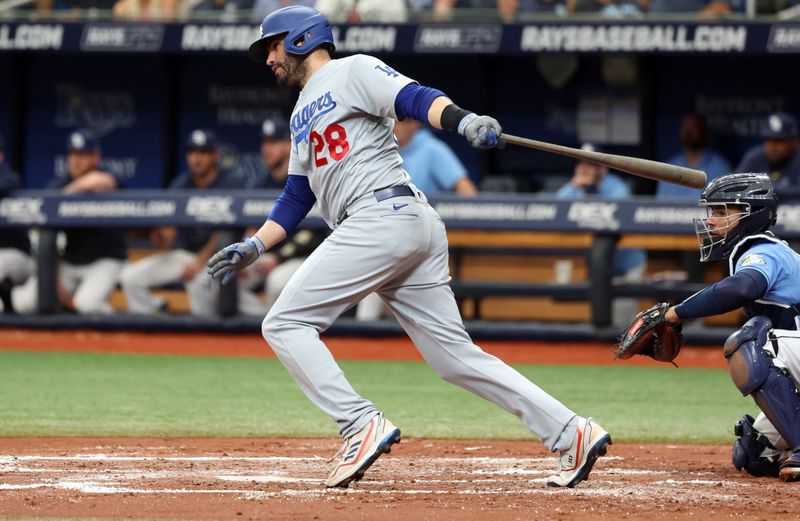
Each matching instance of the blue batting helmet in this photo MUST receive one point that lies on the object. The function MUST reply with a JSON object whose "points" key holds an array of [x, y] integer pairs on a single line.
{"points": [[304, 29]]}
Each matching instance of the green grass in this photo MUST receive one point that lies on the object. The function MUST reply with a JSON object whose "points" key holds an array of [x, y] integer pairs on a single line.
{"points": [[46, 394]]}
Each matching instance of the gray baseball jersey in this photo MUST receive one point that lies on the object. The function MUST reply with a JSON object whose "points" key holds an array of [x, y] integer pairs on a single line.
{"points": [[343, 132]]}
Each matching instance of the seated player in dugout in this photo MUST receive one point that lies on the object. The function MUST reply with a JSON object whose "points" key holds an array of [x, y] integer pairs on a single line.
{"points": [[386, 238], [274, 149], [183, 252], [16, 263], [778, 155], [629, 264], [764, 355], [694, 136], [92, 258]]}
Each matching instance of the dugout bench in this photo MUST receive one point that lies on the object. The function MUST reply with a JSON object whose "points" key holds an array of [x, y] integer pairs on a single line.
{"points": [[497, 227], [594, 283]]}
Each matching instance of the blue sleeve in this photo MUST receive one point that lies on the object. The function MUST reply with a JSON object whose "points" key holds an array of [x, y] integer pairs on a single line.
{"points": [[726, 295], [414, 101], [568, 191], [293, 204], [613, 186]]}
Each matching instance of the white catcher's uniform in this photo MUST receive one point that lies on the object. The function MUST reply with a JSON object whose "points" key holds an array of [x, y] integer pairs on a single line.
{"points": [[343, 141], [787, 357]]}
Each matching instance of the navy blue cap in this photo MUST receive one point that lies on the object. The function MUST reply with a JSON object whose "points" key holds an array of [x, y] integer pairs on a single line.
{"points": [[275, 128], [202, 139], [82, 141], [780, 125]]}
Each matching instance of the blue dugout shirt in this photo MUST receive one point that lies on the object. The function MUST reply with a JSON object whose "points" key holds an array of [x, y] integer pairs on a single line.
{"points": [[433, 167], [611, 187], [712, 163]]}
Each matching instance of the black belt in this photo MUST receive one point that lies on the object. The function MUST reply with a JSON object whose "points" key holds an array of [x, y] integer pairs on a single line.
{"points": [[773, 340], [393, 191]]}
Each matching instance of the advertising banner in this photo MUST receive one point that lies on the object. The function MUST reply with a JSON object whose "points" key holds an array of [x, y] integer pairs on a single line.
{"points": [[108, 98]]}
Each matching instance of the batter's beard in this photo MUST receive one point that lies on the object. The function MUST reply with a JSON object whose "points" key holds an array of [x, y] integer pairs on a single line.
{"points": [[282, 78], [293, 73]]}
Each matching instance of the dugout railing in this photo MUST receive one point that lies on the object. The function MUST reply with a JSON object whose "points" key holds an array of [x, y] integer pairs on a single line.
{"points": [[503, 223]]}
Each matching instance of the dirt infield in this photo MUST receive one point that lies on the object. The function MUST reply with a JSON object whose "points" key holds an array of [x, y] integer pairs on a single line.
{"points": [[422, 479]]}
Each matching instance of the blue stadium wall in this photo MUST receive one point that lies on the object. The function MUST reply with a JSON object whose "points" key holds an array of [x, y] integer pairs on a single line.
{"points": [[143, 87]]}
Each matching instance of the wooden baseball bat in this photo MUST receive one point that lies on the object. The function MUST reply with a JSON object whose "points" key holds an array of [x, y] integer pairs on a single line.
{"points": [[642, 167]]}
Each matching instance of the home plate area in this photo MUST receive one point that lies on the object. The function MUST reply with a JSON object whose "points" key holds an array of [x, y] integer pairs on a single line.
{"points": [[420, 479]]}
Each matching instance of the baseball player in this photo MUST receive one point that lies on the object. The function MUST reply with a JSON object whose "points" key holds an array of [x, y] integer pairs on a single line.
{"points": [[92, 259], [385, 239], [779, 154], [629, 264], [186, 250], [765, 281], [433, 168], [274, 149], [16, 263]]}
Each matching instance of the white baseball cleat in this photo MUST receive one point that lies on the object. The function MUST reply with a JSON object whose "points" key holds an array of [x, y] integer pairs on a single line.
{"points": [[361, 450], [790, 469], [575, 463]]}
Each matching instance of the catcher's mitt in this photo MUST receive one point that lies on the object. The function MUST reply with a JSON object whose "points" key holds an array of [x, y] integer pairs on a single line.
{"points": [[650, 335]]}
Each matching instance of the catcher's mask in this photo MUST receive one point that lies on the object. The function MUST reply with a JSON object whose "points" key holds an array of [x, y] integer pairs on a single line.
{"points": [[739, 205]]}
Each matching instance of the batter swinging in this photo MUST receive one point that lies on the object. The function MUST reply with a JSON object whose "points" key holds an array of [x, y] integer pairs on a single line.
{"points": [[386, 239]]}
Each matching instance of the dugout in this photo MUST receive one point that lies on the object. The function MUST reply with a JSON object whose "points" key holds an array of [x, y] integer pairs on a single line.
{"points": [[623, 84]]}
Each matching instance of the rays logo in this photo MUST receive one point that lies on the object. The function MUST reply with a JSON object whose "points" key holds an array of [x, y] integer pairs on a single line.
{"points": [[305, 117]]}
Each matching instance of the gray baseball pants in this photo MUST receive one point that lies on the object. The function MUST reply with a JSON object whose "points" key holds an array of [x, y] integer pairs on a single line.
{"points": [[397, 248]]}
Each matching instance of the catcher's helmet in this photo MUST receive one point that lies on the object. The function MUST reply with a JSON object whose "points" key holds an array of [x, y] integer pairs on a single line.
{"points": [[759, 210], [300, 25]]}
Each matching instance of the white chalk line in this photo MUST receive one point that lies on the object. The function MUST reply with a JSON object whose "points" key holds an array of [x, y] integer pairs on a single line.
{"points": [[267, 459], [194, 459], [603, 490], [116, 481], [269, 479]]}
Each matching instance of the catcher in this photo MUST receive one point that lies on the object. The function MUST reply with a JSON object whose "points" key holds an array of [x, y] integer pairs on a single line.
{"points": [[764, 355]]}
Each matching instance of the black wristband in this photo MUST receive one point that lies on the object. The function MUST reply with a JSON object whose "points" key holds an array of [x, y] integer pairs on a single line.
{"points": [[452, 116]]}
